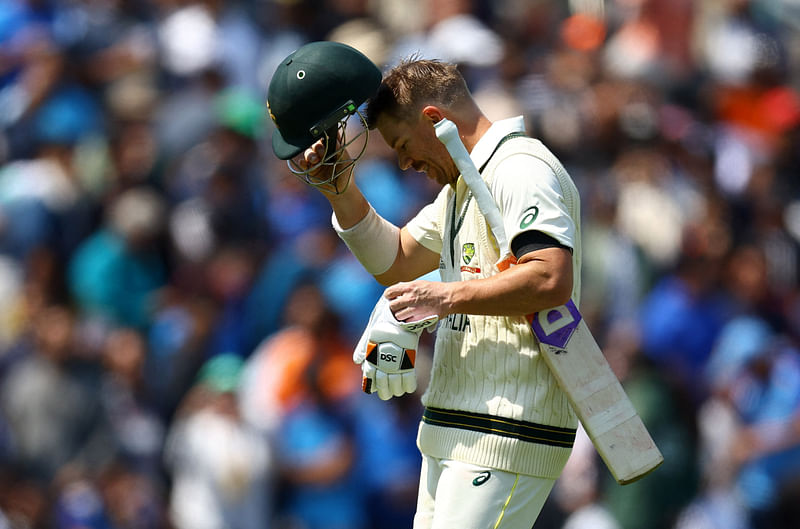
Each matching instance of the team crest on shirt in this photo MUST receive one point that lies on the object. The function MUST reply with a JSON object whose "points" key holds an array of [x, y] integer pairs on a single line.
{"points": [[467, 254]]}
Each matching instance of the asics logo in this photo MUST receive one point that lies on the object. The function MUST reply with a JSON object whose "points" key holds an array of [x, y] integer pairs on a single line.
{"points": [[482, 478], [528, 216]]}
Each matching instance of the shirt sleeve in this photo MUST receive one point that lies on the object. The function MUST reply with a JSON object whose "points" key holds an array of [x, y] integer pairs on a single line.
{"points": [[426, 227], [529, 196]]}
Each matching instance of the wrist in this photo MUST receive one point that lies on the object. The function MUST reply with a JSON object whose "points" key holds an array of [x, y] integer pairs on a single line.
{"points": [[452, 298], [338, 187]]}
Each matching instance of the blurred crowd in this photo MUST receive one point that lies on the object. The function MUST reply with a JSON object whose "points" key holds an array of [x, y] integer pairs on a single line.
{"points": [[177, 317]]}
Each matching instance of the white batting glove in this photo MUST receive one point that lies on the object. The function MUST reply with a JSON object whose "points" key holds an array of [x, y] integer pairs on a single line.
{"points": [[387, 352]]}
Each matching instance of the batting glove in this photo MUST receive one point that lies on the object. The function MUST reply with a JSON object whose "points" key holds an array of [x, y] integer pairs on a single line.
{"points": [[387, 352]]}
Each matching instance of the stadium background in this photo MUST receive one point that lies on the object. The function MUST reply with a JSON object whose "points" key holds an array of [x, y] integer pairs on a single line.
{"points": [[177, 316]]}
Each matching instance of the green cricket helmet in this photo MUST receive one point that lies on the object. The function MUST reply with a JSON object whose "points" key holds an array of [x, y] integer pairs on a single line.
{"points": [[312, 95]]}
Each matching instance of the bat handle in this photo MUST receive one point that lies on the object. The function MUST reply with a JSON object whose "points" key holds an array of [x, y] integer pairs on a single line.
{"points": [[447, 133]]}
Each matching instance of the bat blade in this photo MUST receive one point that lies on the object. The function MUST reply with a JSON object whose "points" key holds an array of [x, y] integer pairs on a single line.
{"points": [[607, 414]]}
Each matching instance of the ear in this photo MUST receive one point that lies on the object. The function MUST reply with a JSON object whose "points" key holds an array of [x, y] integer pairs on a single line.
{"points": [[433, 113]]}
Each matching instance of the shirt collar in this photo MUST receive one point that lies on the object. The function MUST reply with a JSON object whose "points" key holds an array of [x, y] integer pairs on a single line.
{"points": [[499, 129]]}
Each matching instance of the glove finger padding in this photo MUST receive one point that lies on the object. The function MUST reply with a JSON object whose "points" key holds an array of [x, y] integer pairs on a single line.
{"points": [[382, 385], [396, 383], [389, 385], [368, 378], [409, 381]]}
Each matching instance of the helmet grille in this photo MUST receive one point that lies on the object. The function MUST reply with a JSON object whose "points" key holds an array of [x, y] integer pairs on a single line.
{"points": [[336, 156]]}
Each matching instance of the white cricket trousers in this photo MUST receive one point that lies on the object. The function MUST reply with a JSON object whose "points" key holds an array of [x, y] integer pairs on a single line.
{"points": [[457, 495]]}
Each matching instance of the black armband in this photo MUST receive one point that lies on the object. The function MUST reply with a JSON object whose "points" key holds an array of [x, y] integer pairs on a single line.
{"points": [[530, 241]]}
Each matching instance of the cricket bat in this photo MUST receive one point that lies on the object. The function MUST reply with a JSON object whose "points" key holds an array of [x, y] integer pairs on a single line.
{"points": [[606, 412], [571, 352]]}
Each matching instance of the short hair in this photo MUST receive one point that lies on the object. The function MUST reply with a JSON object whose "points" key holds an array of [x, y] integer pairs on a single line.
{"points": [[414, 83]]}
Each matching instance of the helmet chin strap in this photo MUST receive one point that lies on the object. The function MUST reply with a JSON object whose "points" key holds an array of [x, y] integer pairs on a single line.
{"points": [[338, 160]]}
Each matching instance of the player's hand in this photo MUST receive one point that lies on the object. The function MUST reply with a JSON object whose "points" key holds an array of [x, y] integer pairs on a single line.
{"points": [[309, 159], [387, 352], [414, 300], [317, 165]]}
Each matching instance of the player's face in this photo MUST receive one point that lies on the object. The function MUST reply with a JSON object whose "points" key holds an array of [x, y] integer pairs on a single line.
{"points": [[417, 147]]}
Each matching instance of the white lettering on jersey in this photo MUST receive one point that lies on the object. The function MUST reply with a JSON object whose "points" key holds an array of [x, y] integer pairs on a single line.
{"points": [[456, 322]]}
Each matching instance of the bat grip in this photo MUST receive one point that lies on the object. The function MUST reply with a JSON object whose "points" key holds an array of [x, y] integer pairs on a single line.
{"points": [[447, 132]]}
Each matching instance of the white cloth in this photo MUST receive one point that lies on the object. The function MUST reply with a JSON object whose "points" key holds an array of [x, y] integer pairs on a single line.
{"points": [[220, 470], [457, 494]]}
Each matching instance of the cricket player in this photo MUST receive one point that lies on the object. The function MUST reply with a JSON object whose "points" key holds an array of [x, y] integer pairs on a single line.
{"points": [[496, 429]]}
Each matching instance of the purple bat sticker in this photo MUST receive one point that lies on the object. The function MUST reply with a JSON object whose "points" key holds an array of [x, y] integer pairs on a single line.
{"points": [[555, 326]]}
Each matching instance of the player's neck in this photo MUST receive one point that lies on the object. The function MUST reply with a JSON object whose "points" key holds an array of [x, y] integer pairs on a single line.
{"points": [[471, 136]]}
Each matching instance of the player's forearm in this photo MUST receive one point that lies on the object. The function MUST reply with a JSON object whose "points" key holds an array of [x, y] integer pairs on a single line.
{"points": [[349, 206], [373, 240], [523, 289]]}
